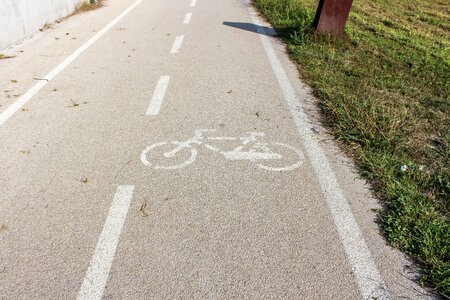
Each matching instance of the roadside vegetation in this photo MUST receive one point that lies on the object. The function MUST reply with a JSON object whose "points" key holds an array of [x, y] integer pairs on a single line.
{"points": [[384, 89], [85, 6], [3, 56], [88, 5]]}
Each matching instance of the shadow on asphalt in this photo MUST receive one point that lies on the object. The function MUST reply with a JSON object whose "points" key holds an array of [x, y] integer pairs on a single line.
{"points": [[264, 30]]}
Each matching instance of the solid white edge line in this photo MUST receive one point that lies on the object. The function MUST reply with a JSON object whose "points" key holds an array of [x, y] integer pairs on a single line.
{"points": [[368, 278], [17, 105], [177, 44], [98, 272], [158, 96], [193, 3], [187, 18]]}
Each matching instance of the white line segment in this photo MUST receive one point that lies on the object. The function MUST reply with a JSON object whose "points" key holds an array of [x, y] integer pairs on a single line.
{"points": [[370, 283], [158, 96], [13, 108], [97, 275], [177, 44], [193, 3], [187, 18]]}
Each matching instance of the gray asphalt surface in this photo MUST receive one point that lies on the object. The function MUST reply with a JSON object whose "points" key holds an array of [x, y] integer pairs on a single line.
{"points": [[214, 229]]}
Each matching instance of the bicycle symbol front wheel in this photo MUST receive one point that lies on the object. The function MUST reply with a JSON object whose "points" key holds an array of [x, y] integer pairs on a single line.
{"points": [[156, 156], [292, 158]]}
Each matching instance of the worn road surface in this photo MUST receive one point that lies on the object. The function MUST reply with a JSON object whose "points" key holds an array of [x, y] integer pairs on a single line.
{"points": [[167, 150]]}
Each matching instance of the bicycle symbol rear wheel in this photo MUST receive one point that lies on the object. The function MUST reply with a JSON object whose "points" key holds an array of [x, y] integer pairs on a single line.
{"points": [[162, 161]]}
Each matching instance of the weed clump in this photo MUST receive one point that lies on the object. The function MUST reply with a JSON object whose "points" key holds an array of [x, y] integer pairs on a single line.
{"points": [[88, 5]]}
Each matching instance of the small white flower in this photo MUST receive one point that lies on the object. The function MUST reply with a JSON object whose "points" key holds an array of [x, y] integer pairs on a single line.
{"points": [[404, 168]]}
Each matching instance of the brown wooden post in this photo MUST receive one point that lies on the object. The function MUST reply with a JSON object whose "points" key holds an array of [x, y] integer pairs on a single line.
{"points": [[332, 15]]}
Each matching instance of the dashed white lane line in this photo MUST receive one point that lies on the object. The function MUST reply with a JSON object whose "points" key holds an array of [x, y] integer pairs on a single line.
{"points": [[193, 3], [97, 275], [177, 44], [13, 108], [368, 278], [158, 96], [187, 18]]}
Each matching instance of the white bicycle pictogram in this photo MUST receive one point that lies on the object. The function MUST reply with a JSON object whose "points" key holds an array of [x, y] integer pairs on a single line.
{"points": [[249, 149]]}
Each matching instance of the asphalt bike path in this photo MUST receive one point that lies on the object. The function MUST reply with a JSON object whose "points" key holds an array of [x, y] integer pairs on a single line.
{"points": [[168, 160]]}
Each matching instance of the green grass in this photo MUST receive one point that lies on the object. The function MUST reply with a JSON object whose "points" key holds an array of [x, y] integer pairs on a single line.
{"points": [[384, 88]]}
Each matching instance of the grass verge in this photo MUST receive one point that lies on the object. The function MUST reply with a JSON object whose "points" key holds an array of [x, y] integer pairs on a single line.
{"points": [[384, 88]]}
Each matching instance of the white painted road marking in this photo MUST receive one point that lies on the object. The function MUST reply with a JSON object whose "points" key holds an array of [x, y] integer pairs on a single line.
{"points": [[187, 18], [193, 3], [158, 96], [97, 275], [370, 283], [13, 108], [177, 44], [249, 149]]}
